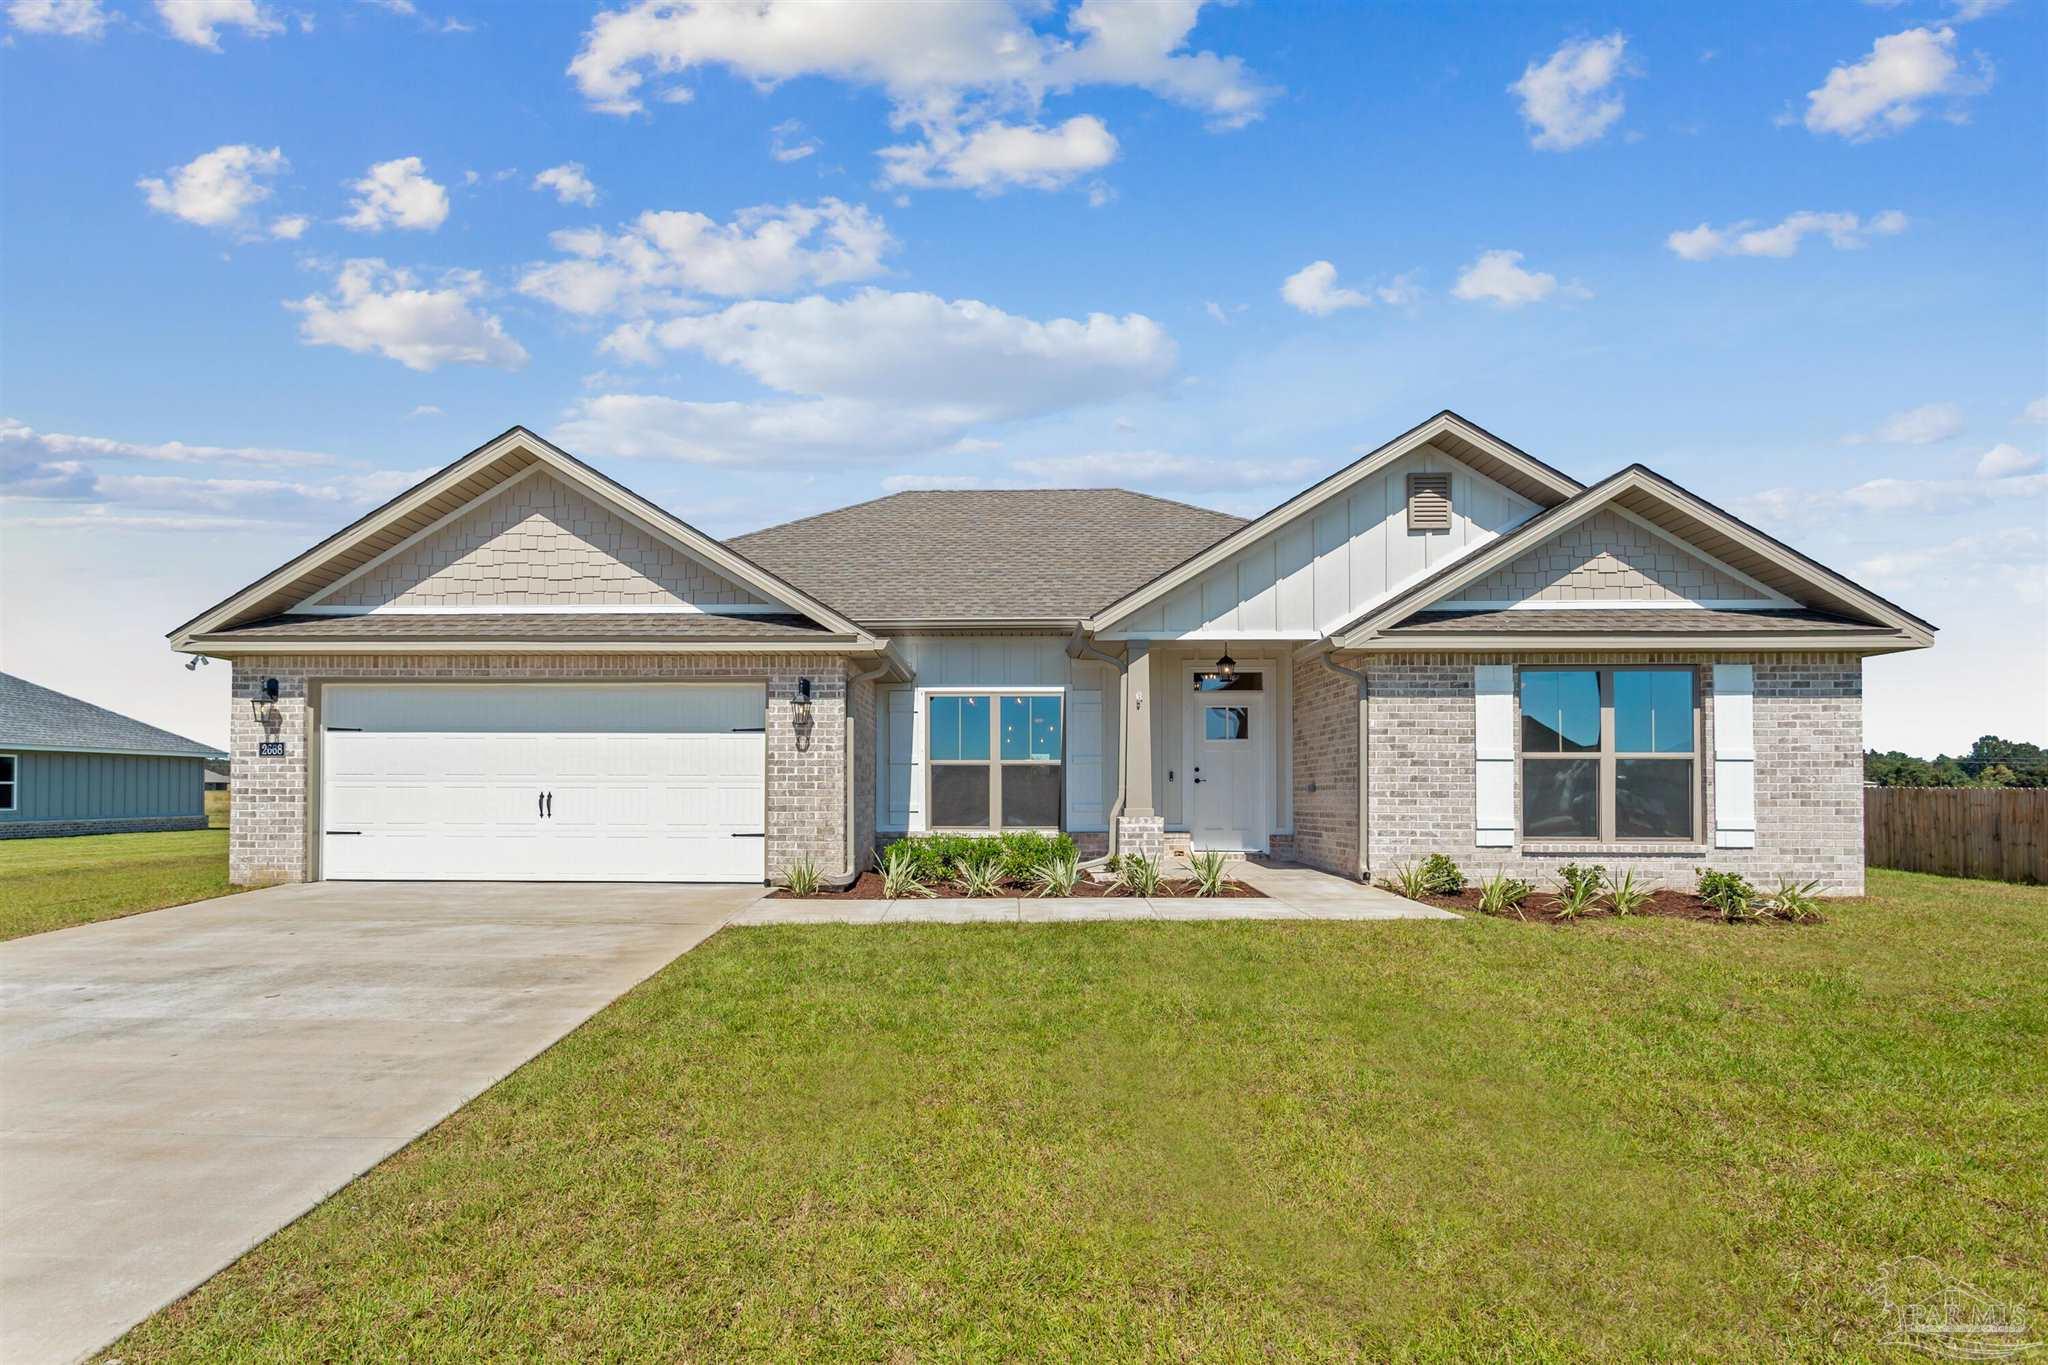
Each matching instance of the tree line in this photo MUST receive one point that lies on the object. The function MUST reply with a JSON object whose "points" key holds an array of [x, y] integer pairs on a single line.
{"points": [[1991, 762]]}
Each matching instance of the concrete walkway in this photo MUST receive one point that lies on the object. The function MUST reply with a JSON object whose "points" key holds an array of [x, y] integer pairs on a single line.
{"points": [[176, 1086], [1296, 893]]}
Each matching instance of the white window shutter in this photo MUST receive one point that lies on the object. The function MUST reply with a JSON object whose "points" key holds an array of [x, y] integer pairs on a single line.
{"points": [[1084, 762], [1735, 755], [1493, 701], [914, 801], [895, 787]]}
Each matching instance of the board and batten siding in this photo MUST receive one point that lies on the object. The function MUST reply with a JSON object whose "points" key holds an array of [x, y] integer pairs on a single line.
{"points": [[85, 786], [1304, 579], [996, 662]]}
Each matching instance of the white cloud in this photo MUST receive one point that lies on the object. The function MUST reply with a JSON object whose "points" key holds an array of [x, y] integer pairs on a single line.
{"points": [[874, 375], [921, 55], [1969, 11], [19, 440], [1314, 290], [997, 156], [1569, 100], [1123, 468], [376, 308], [2004, 460], [199, 22], [1924, 425], [2036, 411], [568, 181], [217, 188], [657, 262], [1844, 231], [787, 143], [1885, 91], [1891, 495], [1496, 277], [397, 194], [291, 227], [425, 410], [2010, 564], [62, 18], [908, 483]]}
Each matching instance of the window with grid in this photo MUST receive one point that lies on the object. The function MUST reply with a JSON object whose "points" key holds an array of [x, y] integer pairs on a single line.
{"points": [[994, 760], [1610, 754]]}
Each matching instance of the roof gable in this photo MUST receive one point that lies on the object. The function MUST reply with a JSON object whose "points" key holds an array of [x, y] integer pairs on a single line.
{"points": [[534, 542], [1447, 433], [1612, 557], [1642, 496], [446, 495], [41, 718]]}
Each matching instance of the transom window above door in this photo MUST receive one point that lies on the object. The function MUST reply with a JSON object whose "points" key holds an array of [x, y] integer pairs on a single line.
{"points": [[1236, 682], [1610, 753], [995, 760]]}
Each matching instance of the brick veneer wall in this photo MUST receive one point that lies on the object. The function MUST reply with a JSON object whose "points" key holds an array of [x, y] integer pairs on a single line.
{"points": [[1808, 719], [267, 822], [1325, 770]]}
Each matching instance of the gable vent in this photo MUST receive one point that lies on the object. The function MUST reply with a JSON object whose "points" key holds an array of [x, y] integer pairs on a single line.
{"points": [[1429, 502]]}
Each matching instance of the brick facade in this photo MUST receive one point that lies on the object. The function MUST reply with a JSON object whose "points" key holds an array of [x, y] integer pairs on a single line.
{"points": [[1421, 754], [1325, 770], [268, 838]]}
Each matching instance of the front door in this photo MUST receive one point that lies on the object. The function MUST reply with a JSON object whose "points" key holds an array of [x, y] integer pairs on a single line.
{"points": [[1228, 775]]}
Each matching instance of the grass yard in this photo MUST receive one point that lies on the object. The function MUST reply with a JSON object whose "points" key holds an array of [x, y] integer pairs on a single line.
{"points": [[1484, 1140], [55, 883]]}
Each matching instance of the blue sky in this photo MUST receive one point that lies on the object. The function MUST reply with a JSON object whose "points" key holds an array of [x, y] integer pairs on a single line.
{"points": [[265, 263]]}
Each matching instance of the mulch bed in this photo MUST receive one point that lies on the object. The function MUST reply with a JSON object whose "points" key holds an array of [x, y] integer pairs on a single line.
{"points": [[1542, 908], [868, 887]]}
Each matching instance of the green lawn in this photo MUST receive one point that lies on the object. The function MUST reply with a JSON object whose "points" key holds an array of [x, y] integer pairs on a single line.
{"points": [[1484, 1140], [54, 883]]}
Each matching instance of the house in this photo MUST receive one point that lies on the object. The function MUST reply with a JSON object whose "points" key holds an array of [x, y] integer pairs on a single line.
{"points": [[69, 767], [217, 776], [520, 669]]}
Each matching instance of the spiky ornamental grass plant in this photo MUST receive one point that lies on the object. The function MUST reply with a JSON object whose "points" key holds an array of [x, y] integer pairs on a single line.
{"points": [[902, 873], [1057, 875], [984, 878], [1211, 872], [1798, 902], [1628, 896], [803, 877], [1501, 893], [1141, 876]]}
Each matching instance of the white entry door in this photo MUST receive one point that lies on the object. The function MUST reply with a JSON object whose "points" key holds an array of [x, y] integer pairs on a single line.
{"points": [[1229, 739], [544, 782]]}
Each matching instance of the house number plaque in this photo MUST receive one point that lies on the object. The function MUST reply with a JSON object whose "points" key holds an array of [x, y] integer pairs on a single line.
{"points": [[270, 748]]}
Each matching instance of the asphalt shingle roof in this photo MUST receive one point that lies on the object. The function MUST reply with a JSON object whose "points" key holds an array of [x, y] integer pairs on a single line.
{"points": [[36, 717], [993, 554], [534, 626], [1626, 621]]}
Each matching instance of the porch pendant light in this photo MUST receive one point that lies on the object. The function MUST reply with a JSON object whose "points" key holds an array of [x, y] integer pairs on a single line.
{"points": [[1226, 670]]}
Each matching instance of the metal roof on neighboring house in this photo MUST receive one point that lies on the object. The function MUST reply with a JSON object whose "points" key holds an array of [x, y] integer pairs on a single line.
{"points": [[985, 554], [33, 717]]}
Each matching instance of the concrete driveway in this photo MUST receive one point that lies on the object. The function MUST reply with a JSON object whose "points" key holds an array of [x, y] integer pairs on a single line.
{"points": [[176, 1086]]}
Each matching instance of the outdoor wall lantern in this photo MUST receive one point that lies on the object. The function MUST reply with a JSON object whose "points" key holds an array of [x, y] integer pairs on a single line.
{"points": [[1223, 673], [266, 696], [803, 692]]}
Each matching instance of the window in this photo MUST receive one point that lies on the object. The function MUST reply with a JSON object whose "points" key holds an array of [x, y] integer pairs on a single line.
{"points": [[6, 781], [995, 760], [1610, 753], [1227, 722]]}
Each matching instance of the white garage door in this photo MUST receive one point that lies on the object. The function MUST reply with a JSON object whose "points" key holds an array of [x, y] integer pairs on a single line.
{"points": [[544, 782]]}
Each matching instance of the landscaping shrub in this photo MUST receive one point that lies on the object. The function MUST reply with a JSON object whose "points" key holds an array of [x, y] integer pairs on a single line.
{"points": [[1140, 876], [1728, 893], [803, 877], [1626, 896], [1057, 875], [1018, 854], [1583, 881], [1440, 876], [1501, 893], [902, 872], [1211, 871], [1795, 901]]}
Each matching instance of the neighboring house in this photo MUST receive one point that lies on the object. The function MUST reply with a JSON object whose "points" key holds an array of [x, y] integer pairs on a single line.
{"points": [[69, 767], [217, 776], [519, 669]]}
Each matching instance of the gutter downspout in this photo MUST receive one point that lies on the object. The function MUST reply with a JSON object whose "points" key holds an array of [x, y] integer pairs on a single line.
{"points": [[1328, 660], [1077, 648], [852, 679]]}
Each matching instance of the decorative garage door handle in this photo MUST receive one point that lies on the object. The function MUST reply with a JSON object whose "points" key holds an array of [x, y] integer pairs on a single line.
{"points": [[551, 805], [544, 805]]}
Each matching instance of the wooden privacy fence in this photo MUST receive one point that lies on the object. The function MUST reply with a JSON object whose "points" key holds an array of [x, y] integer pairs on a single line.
{"points": [[2001, 834]]}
